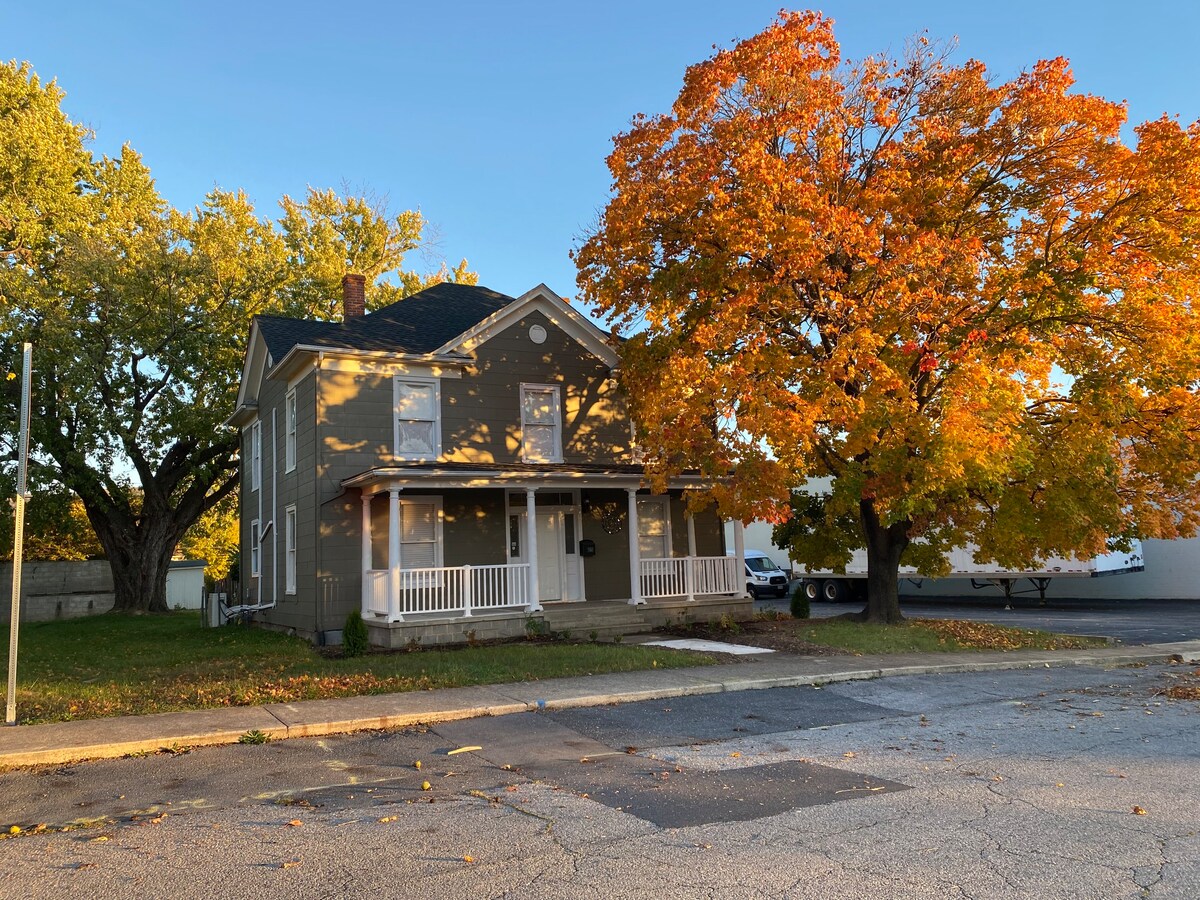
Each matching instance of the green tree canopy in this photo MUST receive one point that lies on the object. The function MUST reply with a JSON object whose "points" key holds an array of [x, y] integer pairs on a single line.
{"points": [[138, 314]]}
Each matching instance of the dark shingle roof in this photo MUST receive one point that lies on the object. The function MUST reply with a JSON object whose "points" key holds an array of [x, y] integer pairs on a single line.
{"points": [[417, 324]]}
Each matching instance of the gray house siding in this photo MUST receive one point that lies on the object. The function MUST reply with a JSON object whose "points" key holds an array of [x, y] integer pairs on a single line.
{"points": [[481, 413], [606, 575], [280, 489]]}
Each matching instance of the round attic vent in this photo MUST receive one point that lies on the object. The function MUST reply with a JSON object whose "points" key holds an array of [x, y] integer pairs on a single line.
{"points": [[537, 334]]}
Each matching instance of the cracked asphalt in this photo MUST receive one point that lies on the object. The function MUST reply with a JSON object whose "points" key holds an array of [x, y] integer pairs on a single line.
{"points": [[1071, 783]]}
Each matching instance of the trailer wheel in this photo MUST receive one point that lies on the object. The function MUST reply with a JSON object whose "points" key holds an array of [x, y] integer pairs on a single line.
{"points": [[833, 590], [812, 589]]}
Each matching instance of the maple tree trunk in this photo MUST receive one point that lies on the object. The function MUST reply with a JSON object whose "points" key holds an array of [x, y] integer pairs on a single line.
{"points": [[139, 559], [885, 544]]}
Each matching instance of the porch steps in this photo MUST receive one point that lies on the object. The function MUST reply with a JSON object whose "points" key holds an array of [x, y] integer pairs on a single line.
{"points": [[606, 620]]}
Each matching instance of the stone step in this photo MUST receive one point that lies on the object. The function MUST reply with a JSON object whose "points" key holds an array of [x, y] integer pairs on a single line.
{"points": [[598, 621]]}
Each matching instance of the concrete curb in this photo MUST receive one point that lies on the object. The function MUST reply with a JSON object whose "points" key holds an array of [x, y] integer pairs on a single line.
{"points": [[61, 742]]}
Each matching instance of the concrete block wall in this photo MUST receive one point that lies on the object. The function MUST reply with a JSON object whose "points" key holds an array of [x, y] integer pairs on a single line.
{"points": [[61, 589]]}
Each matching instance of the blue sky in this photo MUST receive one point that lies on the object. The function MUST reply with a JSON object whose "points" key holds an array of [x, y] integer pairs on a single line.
{"points": [[494, 118]]}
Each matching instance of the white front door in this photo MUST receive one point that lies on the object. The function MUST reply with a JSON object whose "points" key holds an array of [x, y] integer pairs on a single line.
{"points": [[550, 555], [559, 571]]}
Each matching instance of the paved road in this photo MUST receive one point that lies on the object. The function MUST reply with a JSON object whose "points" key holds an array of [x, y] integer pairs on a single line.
{"points": [[999, 785], [1131, 622]]}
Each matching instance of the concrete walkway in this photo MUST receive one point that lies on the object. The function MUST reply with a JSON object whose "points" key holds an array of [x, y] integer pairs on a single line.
{"points": [[59, 742]]}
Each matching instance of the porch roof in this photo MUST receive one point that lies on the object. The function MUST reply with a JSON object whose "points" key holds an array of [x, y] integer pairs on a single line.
{"points": [[561, 476]]}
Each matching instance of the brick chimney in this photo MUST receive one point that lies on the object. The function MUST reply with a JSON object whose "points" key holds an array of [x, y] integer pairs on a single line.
{"points": [[354, 293]]}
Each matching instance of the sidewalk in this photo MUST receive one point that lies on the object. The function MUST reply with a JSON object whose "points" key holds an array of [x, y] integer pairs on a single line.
{"points": [[60, 742]]}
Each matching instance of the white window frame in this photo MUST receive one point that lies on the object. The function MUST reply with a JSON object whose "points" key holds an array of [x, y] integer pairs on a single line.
{"points": [[255, 455], [436, 384], [255, 549], [289, 549], [289, 428], [438, 544], [557, 456], [665, 504]]}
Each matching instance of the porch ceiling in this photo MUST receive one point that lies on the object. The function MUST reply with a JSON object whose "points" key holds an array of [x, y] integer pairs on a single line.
{"points": [[559, 476]]}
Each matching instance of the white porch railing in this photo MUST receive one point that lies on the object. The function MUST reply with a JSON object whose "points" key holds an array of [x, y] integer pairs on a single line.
{"points": [[690, 576], [457, 590]]}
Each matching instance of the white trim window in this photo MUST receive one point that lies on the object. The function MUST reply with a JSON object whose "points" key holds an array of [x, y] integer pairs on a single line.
{"points": [[255, 548], [420, 532], [256, 455], [418, 431], [654, 528], [289, 428], [541, 423], [289, 550]]}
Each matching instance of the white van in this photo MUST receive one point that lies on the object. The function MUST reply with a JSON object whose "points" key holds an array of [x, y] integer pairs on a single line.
{"points": [[763, 577]]}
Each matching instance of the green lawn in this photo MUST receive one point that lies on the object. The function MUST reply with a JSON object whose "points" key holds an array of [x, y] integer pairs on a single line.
{"points": [[125, 665]]}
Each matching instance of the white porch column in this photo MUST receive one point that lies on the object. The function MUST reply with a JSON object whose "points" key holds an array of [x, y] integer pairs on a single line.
{"points": [[366, 554], [531, 551], [635, 554], [394, 556], [739, 552], [689, 574]]}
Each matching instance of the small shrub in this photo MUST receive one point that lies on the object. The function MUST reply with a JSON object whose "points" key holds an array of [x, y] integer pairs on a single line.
{"points": [[254, 736], [593, 635], [354, 635], [536, 628], [800, 605], [727, 623]]}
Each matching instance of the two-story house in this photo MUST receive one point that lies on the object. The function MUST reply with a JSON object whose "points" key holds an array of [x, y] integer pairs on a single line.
{"points": [[452, 465]]}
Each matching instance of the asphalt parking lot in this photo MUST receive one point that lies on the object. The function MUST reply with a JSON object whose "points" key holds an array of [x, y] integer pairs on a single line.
{"points": [[1128, 621]]}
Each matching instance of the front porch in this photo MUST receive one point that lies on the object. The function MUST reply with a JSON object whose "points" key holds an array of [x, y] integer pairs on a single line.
{"points": [[396, 593], [483, 555]]}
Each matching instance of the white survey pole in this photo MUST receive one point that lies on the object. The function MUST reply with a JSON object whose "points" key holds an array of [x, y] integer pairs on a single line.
{"points": [[10, 711]]}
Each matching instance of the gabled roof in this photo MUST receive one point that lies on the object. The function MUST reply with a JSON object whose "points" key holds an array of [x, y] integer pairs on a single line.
{"points": [[440, 325], [418, 324]]}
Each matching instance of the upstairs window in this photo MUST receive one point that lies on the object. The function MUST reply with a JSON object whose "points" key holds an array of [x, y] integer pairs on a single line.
{"points": [[289, 424], [418, 431], [256, 456], [541, 423]]}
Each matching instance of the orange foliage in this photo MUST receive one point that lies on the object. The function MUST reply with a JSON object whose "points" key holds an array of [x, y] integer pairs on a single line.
{"points": [[965, 301]]}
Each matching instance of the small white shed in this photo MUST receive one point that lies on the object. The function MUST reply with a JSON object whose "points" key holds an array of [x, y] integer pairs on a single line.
{"points": [[185, 584]]}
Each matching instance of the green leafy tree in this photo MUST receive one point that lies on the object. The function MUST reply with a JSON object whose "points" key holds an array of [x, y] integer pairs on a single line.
{"points": [[138, 313], [214, 538], [56, 526]]}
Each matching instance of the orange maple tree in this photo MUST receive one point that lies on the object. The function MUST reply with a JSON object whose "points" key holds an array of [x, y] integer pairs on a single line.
{"points": [[965, 302]]}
